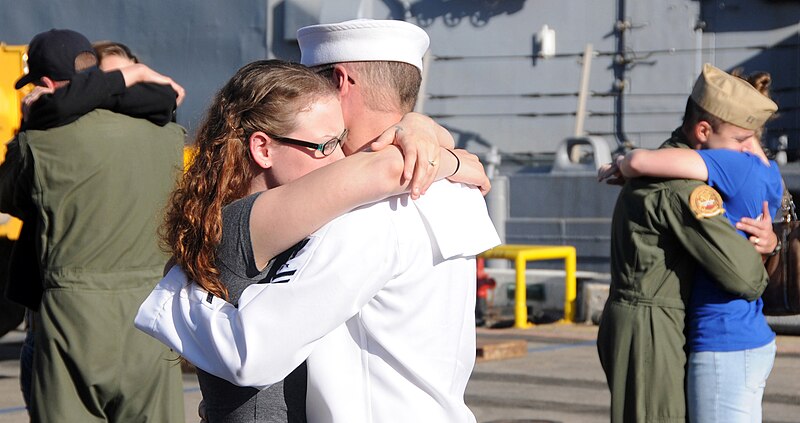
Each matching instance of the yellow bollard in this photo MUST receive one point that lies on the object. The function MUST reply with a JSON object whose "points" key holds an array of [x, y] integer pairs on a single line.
{"points": [[521, 294], [521, 255]]}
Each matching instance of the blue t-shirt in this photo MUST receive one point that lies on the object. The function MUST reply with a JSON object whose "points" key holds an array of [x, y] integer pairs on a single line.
{"points": [[718, 320]]}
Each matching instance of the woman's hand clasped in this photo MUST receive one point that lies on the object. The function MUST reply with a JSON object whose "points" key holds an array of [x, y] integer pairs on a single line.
{"points": [[471, 171], [419, 138], [760, 231]]}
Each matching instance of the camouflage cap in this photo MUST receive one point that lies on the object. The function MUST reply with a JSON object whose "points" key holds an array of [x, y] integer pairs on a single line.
{"points": [[731, 99]]}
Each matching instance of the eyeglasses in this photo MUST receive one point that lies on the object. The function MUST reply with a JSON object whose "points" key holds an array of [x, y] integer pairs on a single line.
{"points": [[326, 148]]}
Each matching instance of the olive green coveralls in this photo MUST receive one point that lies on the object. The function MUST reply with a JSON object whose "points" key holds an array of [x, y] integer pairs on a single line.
{"points": [[100, 186], [656, 242]]}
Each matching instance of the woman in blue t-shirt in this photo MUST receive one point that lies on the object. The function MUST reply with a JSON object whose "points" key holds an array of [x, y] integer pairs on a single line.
{"points": [[731, 347]]}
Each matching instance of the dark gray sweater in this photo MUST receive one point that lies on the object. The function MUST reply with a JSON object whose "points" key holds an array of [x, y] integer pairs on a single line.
{"points": [[226, 402]]}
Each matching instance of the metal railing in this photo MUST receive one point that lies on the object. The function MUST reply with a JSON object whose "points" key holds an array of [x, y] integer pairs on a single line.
{"points": [[521, 255]]}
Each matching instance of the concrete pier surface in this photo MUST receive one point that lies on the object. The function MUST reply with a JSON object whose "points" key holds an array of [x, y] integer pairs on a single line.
{"points": [[559, 379]]}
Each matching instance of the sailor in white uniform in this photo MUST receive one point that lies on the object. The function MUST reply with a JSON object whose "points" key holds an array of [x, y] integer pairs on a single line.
{"points": [[380, 301]]}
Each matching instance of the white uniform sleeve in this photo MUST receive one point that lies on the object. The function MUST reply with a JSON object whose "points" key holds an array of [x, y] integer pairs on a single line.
{"points": [[467, 232], [338, 271]]}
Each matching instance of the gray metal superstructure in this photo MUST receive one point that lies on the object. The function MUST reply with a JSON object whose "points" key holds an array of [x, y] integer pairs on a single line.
{"points": [[495, 77]]}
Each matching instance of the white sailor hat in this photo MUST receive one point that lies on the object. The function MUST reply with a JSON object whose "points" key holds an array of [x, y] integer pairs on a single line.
{"points": [[363, 40]]}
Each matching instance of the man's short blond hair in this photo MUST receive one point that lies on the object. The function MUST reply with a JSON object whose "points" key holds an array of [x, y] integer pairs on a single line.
{"points": [[85, 61], [387, 86]]}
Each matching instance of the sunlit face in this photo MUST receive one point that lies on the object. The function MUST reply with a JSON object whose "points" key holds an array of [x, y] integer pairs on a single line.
{"points": [[729, 137], [113, 62], [317, 124]]}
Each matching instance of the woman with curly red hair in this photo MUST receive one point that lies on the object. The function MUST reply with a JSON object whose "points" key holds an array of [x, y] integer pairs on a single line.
{"points": [[244, 199]]}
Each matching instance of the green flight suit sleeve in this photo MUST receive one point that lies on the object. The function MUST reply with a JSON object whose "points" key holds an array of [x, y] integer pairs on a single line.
{"points": [[727, 256]]}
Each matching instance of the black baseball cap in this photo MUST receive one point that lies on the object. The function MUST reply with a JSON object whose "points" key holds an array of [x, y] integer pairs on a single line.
{"points": [[52, 54]]}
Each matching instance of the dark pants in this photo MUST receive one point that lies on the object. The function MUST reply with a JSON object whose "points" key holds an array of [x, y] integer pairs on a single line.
{"points": [[26, 360]]}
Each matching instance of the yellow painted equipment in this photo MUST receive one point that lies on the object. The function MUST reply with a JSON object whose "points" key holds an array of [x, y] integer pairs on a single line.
{"points": [[12, 65], [188, 155], [521, 255]]}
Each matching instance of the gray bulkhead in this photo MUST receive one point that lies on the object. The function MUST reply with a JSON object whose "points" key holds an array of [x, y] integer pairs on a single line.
{"points": [[487, 79]]}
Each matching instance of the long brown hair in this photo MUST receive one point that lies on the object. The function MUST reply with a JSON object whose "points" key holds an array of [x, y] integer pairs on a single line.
{"points": [[264, 96], [760, 80]]}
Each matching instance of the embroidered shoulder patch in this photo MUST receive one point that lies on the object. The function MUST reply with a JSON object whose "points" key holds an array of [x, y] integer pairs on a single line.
{"points": [[705, 202]]}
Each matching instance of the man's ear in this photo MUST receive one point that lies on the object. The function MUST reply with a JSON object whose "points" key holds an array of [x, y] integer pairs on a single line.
{"points": [[49, 83], [702, 131], [342, 78], [260, 145]]}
